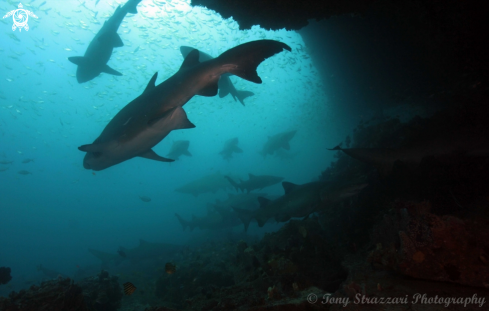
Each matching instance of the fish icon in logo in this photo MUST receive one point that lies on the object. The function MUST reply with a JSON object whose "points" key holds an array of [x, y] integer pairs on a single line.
{"points": [[20, 17]]}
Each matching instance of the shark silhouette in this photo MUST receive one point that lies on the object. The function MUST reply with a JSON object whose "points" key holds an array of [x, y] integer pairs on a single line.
{"points": [[149, 118], [254, 182], [276, 142], [179, 147], [225, 85], [230, 146], [100, 49]]}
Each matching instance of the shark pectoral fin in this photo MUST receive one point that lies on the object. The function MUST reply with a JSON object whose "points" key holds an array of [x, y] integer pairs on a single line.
{"points": [[337, 147], [263, 201], [111, 71], [288, 186], [185, 124], [223, 92], [187, 153], [209, 90], [245, 216], [150, 154], [261, 220], [78, 60], [286, 146], [237, 149], [242, 95], [151, 83], [111, 38]]}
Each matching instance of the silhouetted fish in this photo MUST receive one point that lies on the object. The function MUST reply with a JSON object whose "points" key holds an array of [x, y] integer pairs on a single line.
{"points": [[145, 199]]}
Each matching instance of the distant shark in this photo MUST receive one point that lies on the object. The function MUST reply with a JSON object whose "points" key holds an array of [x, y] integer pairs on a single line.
{"points": [[230, 147], [179, 147], [411, 155], [209, 183], [298, 201], [255, 182], [225, 85], [145, 250], [98, 53], [149, 118], [275, 142]]}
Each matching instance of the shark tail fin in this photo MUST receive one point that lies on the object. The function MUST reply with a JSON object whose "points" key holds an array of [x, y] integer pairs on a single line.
{"points": [[131, 6], [183, 222], [245, 216], [233, 183], [243, 59], [242, 95]]}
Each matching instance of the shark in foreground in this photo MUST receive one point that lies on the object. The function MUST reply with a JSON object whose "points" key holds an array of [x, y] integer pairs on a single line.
{"points": [[226, 87], [255, 182], [98, 53], [149, 118]]}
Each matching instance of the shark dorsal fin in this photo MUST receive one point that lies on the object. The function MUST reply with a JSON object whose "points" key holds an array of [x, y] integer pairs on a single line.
{"points": [[251, 175], [151, 83], [288, 186], [191, 60], [263, 201], [185, 50]]}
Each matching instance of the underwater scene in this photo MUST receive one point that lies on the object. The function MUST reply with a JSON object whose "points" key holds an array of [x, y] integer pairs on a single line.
{"points": [[160, 155]]}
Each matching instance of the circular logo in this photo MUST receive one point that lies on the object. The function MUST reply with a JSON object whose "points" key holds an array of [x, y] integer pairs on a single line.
{"points": [[20, 18], [312, 298]]}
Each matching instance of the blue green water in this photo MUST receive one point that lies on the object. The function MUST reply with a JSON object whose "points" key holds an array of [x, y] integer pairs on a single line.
{"points": [[55, 214]]}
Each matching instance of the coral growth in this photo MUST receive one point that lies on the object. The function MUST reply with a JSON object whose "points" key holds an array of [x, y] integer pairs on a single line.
{"points": [[432, 247]]}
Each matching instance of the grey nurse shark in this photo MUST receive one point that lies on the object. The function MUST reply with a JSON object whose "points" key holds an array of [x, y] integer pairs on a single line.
{"points": [[149, 118], [98, 53], [276, 142], [226, 87]]}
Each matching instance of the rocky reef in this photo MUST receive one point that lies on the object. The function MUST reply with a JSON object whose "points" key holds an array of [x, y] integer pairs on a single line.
{"points": [[5, 276], [96, 293]]}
